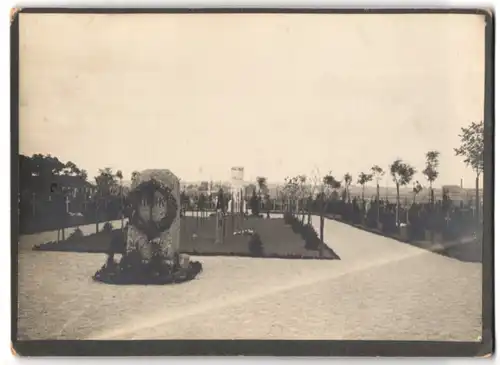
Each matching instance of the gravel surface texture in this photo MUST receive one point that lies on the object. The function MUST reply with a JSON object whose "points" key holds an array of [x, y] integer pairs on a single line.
{"points": [[381, 289]]}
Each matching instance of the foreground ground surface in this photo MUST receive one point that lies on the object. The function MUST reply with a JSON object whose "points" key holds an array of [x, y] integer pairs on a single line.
{"points": [[381, 289]]}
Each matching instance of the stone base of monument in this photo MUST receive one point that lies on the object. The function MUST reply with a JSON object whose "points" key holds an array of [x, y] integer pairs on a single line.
{"points": [[133, 270]]}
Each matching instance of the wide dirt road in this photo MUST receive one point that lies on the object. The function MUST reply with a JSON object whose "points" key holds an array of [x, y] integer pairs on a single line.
{"points": [[381, 289]]}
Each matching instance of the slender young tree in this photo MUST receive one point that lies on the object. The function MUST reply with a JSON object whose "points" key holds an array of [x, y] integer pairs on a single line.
{"points": [[119, 175], [378, 173], [417, 188], [327, 189], [347, 184], [430, 172], [402, 174], [262, 184], [362, 180], [134, 177], [472, 151], [301, 192]]}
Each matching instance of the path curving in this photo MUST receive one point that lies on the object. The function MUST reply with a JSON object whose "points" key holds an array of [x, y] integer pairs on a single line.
{"points": [[381, 289]]}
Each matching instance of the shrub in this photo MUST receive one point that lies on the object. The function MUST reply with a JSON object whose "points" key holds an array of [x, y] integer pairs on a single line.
{"points": [[76, 234], [131, 261], [118, 242], [255, 246], [108, 227], [297, 225], [311, 237], [195, 268], [157, 266]]}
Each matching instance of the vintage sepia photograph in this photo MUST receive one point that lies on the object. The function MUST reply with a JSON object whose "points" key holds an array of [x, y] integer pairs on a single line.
{"points": [[252, 176]]}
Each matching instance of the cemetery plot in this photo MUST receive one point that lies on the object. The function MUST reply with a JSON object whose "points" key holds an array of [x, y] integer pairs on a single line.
{"points": [[258, 237]]}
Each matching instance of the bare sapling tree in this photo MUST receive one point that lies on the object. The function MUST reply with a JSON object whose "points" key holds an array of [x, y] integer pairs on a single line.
{"points": [[292, 187], [321, 186], [302, 190]]}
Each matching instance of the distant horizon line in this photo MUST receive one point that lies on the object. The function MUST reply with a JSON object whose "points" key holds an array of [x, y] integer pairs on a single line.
{"points": [[381, 186]]}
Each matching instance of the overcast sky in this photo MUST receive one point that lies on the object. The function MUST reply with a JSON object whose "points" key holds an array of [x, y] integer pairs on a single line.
{"points": [[278, 94]]}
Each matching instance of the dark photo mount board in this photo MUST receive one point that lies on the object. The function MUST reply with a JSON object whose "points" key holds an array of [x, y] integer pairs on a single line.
{"points": [[484, 348]]}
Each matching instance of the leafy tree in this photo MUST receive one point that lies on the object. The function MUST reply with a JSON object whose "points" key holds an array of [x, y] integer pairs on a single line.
{"points": [[291, 192], [431, 173], [262, 184], [107, 186], [402, 174], [134, 177], [377, 173], [362, 180], [46, 166], [37, 173], [333, 183], [472, 151], [84, 175], [472, 147], [71, 169], [347, 183], [255, 204], [417, 188]]}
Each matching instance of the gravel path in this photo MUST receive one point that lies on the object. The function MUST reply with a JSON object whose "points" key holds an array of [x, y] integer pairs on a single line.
{"points": [[26, 242], [381, 289]]}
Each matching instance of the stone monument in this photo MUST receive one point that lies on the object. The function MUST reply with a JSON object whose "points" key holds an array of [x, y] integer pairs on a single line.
{"points": [[155, 222], [153, 236]]}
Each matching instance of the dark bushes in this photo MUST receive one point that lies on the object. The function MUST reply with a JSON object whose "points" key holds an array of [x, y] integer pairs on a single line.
{"points": [[108, 227], [307, 231], [311, 237], [255, 246], [76, 234], [118, 241]]}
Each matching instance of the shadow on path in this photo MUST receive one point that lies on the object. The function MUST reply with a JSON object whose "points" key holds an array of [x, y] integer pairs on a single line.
{"points": [[468, 251]]}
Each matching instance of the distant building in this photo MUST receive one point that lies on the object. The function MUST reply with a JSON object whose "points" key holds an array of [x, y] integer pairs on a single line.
{"points": [[458, 194], [71, 185]]}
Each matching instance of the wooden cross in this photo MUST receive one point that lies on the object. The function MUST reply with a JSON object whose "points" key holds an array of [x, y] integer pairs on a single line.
{"points": [[67, 204]]}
